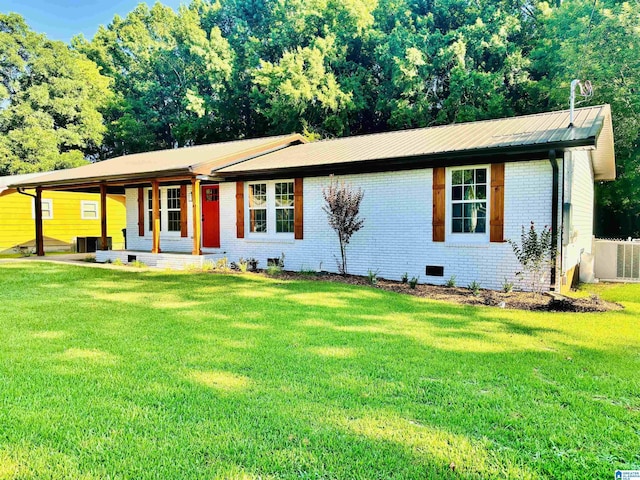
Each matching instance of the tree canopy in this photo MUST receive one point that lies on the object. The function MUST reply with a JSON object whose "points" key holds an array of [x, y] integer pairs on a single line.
{"points": [[228, 69], [50, 101]]}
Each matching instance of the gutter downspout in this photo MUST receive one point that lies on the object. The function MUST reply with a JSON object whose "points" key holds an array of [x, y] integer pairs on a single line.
{"points": [[554, 218], [37, 198]]}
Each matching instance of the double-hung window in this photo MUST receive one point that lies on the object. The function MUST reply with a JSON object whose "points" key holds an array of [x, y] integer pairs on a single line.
{"points": [[271, 207], [88, 210], [150, 208], [173, 209], [47, 209], [284, 207], [468, 197], [258, 207]]}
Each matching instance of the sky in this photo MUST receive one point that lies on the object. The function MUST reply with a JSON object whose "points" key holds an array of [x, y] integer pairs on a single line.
{"points": [[62, 19]]}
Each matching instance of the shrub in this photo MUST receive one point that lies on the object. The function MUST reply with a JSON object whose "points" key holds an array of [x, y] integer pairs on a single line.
{"points": [[138, 264], [475, 288], [222, 265], [274, 270], [535, 253], [413, 282], [507, 286], [405, 277], [451, 282], [372, 277], [118, 262], [243, 265]]}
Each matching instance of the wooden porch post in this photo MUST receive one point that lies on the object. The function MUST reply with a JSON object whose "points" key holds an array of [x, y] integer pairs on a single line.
{"points": [[155, 201], [197, 216], [103, 217], [39, 234]]}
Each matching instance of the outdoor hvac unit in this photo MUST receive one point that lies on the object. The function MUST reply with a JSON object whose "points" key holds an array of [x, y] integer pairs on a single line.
{"points": [[628, 260]]}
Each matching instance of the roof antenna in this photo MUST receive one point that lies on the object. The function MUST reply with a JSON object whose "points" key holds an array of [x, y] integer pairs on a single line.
{"points": [[586, 91]]}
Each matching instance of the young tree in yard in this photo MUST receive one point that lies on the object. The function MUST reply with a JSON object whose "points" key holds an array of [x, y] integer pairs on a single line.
{"points": [[536, 253], [342, 205]]}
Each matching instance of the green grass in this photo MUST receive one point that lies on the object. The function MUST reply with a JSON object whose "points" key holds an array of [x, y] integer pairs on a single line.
{"points": [[118, 374]]}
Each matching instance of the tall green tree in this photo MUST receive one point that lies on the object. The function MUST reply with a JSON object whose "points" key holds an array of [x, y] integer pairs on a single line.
{"points": [[600, 42], [50, 100], [170, 76]]}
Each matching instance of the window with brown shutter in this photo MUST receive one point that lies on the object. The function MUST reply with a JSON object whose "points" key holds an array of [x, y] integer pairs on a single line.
{"points": [[438, 220]]}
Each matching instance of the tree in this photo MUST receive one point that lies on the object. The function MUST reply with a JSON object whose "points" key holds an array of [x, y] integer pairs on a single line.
{"points": [[342, 206], [50, 101], [598, 42], [170, 75]]}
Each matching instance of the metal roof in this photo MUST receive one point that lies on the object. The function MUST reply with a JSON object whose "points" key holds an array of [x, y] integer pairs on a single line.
{"points": [[11, 179], [539, 132], [196, 160]]}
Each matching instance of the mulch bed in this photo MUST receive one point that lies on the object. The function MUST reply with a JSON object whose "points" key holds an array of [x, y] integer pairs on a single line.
{"points": [[512, 300]]}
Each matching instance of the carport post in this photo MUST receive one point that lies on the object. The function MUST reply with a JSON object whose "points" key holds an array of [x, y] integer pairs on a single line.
{"points": [[103, 217], [39, 234]]}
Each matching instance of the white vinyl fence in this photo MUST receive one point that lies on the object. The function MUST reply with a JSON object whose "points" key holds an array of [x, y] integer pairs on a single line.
{"points": [[617, 260]]}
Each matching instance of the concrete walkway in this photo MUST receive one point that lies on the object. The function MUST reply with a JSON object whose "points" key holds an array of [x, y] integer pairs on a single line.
{"points": [[77, 259]]}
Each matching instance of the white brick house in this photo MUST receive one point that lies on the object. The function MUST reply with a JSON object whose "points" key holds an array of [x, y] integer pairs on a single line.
{"points": [[438, 202]]}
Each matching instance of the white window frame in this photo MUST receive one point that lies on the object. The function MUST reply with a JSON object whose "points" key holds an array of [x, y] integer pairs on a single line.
{"points": [[164, 217], [466, 237], [45, 201], [271, 211], [167, 209], [83, 210]]}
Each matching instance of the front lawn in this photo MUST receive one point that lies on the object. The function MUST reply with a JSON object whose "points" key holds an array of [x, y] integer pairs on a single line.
{"points": [[119, 374]]}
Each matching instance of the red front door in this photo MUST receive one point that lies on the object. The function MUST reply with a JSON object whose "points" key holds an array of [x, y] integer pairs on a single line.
{"points": [[210, 216]]}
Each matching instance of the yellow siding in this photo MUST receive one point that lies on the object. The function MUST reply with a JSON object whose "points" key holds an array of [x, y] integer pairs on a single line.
{"points": [[17, 226]]}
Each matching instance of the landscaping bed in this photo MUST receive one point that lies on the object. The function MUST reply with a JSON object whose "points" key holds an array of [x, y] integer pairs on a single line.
{"points": [[512, 300]]}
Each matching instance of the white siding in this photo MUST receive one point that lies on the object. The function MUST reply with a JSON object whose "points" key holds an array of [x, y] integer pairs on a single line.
{"points": [[579, 194]]}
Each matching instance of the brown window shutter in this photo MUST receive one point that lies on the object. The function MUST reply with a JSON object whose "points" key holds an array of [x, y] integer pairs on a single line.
{"points": [[140, 211], [497, 203], [438, 204], [298, 224], [240, 209], [183, 211]]}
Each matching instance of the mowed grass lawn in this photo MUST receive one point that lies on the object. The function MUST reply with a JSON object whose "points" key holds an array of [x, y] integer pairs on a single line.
{"points": [[119, 374]]}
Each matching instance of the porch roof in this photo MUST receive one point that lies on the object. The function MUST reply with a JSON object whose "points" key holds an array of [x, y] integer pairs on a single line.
{"points": [[187, 161], [506, 139]]}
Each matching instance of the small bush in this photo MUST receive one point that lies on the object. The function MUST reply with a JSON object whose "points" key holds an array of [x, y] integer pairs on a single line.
{"points": [[252, 264], [274, 270], [243, 265], [208, 266], [89, 259], [372, 277], [451, 282], [222, 265], [413, 282], [405, 277], [507, 286], [138, 264], [24, 251], [475, 288], [118, 262], [308, 272]]}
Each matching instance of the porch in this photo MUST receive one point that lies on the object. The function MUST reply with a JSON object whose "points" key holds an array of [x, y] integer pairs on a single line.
{"points": [[174, 261]]}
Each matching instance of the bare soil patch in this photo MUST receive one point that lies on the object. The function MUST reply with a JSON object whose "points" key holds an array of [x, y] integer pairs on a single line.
{"points": [[513, 300]]}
